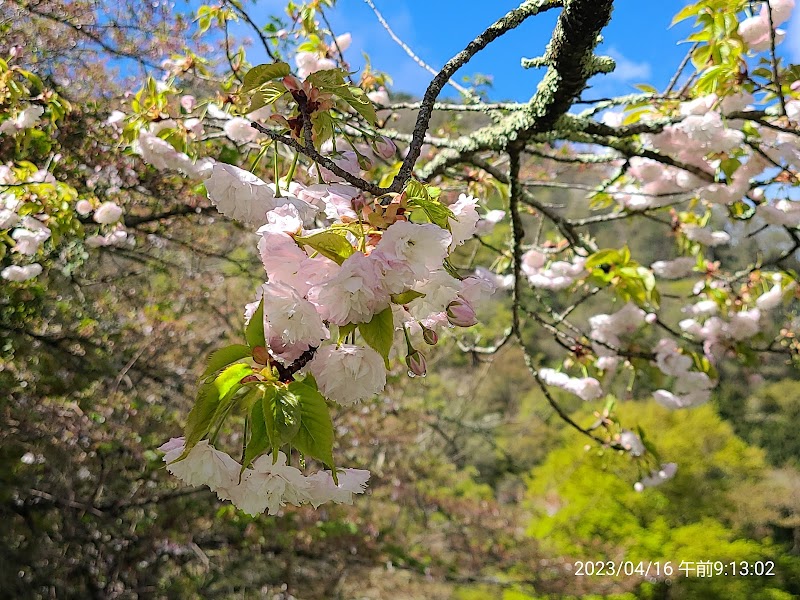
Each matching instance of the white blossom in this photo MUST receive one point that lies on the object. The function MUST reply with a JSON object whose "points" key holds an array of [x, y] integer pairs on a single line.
{"points": [[203, 465], [354, 294], [419, 247], [586, 388], [347, 374], [268, 486], [239, 194], [631, 442], [107, 213], [240, 131], [27, 241], [666, 472], [464, 221], [18, 273], [292, 317], [323, 489]]}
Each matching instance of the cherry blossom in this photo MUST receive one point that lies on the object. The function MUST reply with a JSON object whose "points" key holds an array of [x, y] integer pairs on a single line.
{"points": [[348, 373]]}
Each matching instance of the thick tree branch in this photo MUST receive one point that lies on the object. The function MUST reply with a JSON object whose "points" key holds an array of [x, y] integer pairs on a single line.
{"points": [[571, 62]]}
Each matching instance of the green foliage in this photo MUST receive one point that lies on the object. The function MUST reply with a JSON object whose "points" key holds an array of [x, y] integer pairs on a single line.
{"points": [[329, 244], [333, 81], [315, 436], [259, 441], [426, 197], [406, 297], [223, 357], [629, 280], [261, 74], [281, 408], [379, 332], [213, 399], [771, 419], [254, 332], [596, 509]]}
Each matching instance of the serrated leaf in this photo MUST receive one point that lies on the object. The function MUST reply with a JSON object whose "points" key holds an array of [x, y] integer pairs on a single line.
{"points": [[259, 440], [223, 357], [436, 212], [379, 333], [265, 95], [208, 400], [330, 245], [263, 73], [406, 297], [254, 333], [282, 416], [328, 79], [357, 98], [322, 127], [315, 437]]}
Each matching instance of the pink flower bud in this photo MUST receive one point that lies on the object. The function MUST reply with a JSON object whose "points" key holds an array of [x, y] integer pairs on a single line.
{"points": [[461, 314], [416, 364], [188, 103], [430, 336], [385, 148]]}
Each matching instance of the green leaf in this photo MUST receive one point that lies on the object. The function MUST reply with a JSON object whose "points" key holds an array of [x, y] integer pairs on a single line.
{"points": [[315, 437], [344, 330], [438, 213], [223, 357], [603, 257], [379, 333], [685, 13], [357, 98], [282, 416], [266, 94], [259, 440], [333, 81], [322, 127], [254, 334], [328, 79], [329, 244], [264, 73], [406, 297], [209, 397]]}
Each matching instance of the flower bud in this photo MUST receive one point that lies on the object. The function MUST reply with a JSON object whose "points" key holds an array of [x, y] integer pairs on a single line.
{"points": [[430, 336], [416, 363], [188, 103], [461, 314], [364, 162], [385, 147]]}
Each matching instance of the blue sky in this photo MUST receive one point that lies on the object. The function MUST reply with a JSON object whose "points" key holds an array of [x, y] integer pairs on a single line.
{"points": [[639, 37]]}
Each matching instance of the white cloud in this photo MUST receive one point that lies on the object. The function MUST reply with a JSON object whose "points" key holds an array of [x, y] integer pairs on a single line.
{"points": [[627, 69]]}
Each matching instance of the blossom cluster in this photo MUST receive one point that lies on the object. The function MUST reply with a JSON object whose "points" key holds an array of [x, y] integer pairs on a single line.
{"points": [[349, 284], [551, 275], [269, 484], [307, 293]]}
